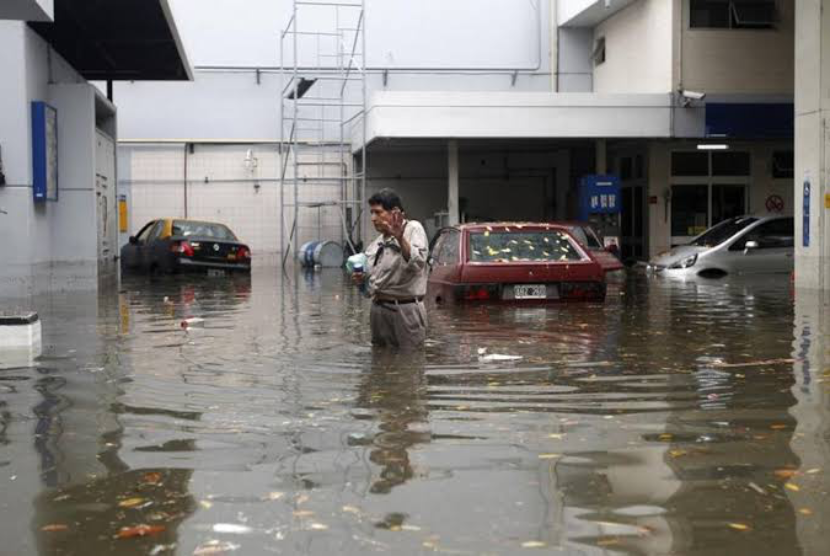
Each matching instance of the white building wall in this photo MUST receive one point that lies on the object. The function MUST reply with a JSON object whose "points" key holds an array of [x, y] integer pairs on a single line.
{"points": [[742, 61], [575, 73], [52, 232], [221, 188], [638, 49]]}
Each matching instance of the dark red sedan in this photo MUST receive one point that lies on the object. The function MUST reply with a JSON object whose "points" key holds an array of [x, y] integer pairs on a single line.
{"points": [[512, 262]]}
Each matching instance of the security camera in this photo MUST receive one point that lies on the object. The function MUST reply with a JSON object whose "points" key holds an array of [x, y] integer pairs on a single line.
{"points": [[693, 95]]}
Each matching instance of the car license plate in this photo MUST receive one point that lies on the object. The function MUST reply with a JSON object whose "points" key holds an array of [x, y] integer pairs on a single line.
{"points": [[530, 291], [215, 273]]}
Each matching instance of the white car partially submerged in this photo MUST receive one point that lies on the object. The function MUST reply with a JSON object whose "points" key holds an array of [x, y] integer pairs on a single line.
{"points": [[740, 245]]}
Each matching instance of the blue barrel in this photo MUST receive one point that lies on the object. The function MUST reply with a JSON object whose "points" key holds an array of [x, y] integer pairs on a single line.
{"points": [[326, 254]]}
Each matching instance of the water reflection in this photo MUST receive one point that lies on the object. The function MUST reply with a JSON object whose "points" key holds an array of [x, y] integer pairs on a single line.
{"points": [[669, 420], [394, 390], [811, 441]]}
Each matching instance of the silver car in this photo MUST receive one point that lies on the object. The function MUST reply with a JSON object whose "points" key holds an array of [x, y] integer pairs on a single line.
{"points": [[740, 245]]}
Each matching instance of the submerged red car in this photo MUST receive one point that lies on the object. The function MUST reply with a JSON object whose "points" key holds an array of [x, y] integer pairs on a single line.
{"points": [[512, 262]]}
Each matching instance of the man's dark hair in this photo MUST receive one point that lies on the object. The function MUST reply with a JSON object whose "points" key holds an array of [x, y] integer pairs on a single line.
{"points": [[387, 198]]}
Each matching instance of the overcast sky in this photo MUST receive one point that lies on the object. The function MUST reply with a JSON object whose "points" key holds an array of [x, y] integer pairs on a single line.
{"points": [[401, 33]]}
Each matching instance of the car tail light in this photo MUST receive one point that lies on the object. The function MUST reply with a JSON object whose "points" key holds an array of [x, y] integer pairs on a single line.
{"points": [[243, 253], [476, 292], [582, 291], [182, 248]]}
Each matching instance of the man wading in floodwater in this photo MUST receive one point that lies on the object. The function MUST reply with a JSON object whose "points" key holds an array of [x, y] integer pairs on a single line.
{"points": [[396, 275]]}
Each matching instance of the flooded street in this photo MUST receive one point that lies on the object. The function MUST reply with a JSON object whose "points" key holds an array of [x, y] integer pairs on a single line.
{"points": [[676, 418]]}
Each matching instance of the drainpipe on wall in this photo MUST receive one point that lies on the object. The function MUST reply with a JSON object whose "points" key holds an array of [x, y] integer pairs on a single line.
{"points": [[186, 148], [554, 45]]}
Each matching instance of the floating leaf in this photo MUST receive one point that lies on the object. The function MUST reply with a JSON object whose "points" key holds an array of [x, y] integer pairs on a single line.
{"points": [[739, 526], [351, 509], [805, 511], [130, 502], [793, 487], [533, 544], [549, 456], [303, 513], [318, 526], [51, 528], [142, 530], [205, 504], [784, 473], [152, 478]]}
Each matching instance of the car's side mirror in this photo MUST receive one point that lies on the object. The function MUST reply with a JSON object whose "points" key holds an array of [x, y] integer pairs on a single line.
{"points": [[750, 245], [133, 240]]}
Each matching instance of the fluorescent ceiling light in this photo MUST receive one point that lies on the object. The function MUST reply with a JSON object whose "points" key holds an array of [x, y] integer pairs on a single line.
{"points": [[713, 147]]}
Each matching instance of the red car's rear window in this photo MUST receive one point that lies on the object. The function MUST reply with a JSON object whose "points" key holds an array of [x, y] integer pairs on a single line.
{"points": [[519, 245]]}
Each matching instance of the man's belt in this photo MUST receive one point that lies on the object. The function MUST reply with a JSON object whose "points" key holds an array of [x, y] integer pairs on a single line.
{"points": [[381, 300]]}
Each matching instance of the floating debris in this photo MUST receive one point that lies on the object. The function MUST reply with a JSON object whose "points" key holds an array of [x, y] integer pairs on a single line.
{"points": [[215, 547], [231, 528], [755, 363], [499, 357]]}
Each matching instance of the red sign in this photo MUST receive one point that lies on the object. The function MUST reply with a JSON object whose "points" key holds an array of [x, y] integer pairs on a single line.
{"points": [[774, 203]]}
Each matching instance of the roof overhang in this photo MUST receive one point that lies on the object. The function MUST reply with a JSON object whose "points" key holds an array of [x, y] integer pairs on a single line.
{"points": [[416, 115], [128, 40], [588, 13], [27, 10]]}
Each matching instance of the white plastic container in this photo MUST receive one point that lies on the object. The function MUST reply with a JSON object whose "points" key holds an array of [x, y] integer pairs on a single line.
{"points": [[20, 339]]}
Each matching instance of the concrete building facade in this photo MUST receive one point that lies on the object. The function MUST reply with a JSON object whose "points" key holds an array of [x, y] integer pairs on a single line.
{"points": [[64, 237], [532, 99]]}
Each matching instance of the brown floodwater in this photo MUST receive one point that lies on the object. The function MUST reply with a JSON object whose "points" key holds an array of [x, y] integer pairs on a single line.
{"points": [[675, 418]]}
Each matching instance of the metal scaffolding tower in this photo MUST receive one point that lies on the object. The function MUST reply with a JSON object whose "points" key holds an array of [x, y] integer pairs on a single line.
{"points": [[323, 118]]}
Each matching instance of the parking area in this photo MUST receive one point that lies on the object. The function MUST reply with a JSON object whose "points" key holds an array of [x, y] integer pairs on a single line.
{"points": [[251, 415]]}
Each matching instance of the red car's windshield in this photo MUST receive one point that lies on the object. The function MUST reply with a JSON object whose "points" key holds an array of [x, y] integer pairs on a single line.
{"points": [[521, 246]]}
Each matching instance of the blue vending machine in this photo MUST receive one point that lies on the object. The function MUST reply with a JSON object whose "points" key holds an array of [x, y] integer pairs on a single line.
{"points": [[600, 204]]}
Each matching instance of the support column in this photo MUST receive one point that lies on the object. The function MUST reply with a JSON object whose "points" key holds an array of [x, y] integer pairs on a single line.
{"points": [[601, 157], [453, 173], [812, 108]]}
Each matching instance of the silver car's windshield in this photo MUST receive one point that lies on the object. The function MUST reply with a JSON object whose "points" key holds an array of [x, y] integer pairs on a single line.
{"points": [[723, 231]]}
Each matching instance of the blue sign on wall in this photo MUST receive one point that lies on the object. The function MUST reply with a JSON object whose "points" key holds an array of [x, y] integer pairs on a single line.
{"points": [[805, 232], [44, 152], [750, 120], [599, 195]]}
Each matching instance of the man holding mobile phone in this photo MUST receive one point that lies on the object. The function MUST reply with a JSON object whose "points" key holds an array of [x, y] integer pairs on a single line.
{"points": [[396, 274]]}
